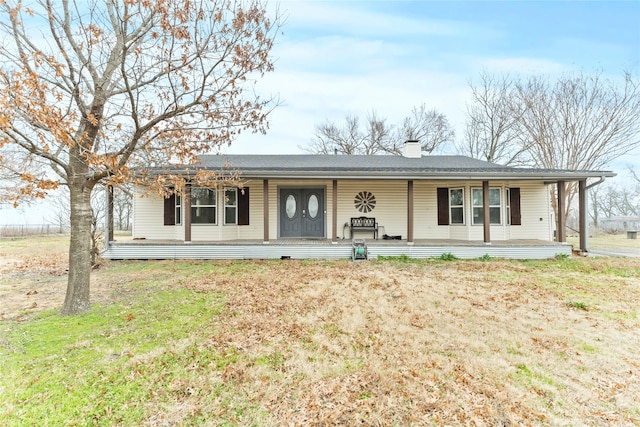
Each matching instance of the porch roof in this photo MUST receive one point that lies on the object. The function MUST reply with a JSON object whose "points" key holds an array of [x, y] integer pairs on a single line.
{"points": [[380, 166]]}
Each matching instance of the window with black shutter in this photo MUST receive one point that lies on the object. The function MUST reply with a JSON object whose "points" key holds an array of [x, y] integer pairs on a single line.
{"points": [[243, 206], [170, 210], [514, 206], [443, 206]]}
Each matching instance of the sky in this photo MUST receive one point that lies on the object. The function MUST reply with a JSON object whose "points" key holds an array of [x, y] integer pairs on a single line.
{"points": [[335, 58]]}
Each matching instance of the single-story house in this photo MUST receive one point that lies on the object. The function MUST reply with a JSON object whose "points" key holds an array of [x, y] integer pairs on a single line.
{"points": [[619, 224], [312, 206]]}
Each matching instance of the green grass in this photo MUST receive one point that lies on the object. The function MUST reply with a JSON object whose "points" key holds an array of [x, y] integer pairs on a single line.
{"points": [[104, 367], [395, 341], [578, 305], [607, 241]]}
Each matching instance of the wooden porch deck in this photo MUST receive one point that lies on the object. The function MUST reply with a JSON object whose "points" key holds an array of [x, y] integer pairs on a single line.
{"points": [[325, 248]]}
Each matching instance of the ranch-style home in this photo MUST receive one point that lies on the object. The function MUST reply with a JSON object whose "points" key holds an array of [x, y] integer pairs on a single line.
{"points": [[314, 206]]}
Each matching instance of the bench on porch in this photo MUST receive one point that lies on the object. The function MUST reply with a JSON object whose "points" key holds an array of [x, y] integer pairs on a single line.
{"points": [[364, 223]]}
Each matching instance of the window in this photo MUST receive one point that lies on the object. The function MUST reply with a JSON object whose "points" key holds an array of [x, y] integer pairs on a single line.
{"points": [[456, 205], [243, 206], [494, 206], [203, 206], [178, 210], [450, 206], [230, 205], [513, 206], [507, 206], [171, 209]]}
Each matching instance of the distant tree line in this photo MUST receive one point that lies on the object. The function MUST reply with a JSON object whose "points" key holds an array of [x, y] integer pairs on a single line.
{"points": [[577, 122]]}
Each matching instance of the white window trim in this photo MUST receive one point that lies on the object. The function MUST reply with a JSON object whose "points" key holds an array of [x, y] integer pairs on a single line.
{"points": [[464, 217], [178, 209], [193, 205], [507, 206], [234, 206], [499, 206]]}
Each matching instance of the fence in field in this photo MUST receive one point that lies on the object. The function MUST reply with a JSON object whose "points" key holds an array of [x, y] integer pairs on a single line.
{"points": [[23, 230]]}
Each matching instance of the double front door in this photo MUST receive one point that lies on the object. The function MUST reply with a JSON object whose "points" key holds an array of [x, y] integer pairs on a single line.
{"points": [[301, 212]]}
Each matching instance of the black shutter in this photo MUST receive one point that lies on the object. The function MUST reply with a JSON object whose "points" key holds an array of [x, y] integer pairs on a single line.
{"points": [[243, 206], [514, 203], [443, 206], [170, 210]]}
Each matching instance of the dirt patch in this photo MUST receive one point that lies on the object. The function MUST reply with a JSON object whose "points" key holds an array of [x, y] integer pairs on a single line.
{"points": [[33, 278]]}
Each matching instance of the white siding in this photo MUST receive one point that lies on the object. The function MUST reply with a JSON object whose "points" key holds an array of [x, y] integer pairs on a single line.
{"points": [[221, 231], [148, 218], [537, 217], [390, 212], [534, 203]]}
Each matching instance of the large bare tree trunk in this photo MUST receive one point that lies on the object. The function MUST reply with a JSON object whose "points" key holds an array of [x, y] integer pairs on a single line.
{"points": [[77, 298], [113, 84]]}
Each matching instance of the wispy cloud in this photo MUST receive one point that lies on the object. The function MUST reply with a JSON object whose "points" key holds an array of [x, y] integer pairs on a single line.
{"points": [[352, 57], [360, 19]]}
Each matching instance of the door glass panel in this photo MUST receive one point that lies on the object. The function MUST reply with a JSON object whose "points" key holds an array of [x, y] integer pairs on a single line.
{"points": [[313, 206], [290, 206]]}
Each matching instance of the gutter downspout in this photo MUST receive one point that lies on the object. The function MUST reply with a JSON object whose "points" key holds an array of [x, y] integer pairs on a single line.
{"points": [[584, 215]]}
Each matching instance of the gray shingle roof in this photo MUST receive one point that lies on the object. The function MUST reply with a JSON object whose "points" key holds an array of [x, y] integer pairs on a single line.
{"points": [[381, 166]]}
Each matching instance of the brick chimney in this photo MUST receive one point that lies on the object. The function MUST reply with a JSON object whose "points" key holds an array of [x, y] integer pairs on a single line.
{"points": [[412, 149]]}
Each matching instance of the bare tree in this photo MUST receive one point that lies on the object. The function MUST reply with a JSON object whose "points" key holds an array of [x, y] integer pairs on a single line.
{"points": [[576, 122], [580, 122], [493, 129], [89, 88], [59, 213], [350, 137], [123, 206], [635, 177], [611, 200], [431, 128]]}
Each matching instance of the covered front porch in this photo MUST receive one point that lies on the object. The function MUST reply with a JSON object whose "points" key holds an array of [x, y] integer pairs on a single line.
{"points": [[328, 249], [275, 242]]}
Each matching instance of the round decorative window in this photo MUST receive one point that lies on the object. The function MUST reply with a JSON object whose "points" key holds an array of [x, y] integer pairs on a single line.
{"points": [[365, 201]]}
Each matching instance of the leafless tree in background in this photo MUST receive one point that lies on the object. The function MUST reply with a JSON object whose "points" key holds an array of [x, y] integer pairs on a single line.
{"points": [[122, 206], [575, 122], [580, 122], [60, 215], [350, 137], [376, 136], [493, 129], [614, 200], [429, 127]]}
